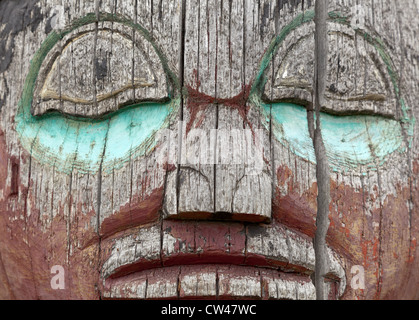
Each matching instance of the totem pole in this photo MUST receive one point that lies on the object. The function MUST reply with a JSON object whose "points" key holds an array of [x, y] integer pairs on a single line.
{"points": [[156, 149]]}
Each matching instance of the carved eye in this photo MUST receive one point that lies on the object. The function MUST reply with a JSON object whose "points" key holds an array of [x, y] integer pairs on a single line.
{"points": [[85, 72], [357, 79], [91, 72], [358, 122]]}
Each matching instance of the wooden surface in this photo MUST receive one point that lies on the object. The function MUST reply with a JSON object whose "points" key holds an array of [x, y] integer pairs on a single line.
{"points": [[225, 71]]}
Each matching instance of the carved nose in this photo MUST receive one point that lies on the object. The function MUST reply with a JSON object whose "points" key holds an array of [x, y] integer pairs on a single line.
{"points": [[221, 174]]}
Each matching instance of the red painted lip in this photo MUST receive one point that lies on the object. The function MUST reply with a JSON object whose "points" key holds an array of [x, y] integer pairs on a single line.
{"points": [[250, 260], [175, 243], [210, 281], [148, 252], [172, 243]]}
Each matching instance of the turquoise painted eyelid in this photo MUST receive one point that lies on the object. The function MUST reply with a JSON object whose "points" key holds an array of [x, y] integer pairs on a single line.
{"points": [[350, 141], [89, 145], [71, 144]]}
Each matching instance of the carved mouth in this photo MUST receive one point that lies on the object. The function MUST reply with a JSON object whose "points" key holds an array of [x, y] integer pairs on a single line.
{"points": [[211, 281], [156, 262]]}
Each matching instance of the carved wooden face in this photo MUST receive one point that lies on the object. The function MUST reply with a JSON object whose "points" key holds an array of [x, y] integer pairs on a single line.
{"points": [[162, 150]]}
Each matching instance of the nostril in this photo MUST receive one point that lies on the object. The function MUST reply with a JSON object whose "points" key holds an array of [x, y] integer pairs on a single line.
{"points": [[220, 216]]}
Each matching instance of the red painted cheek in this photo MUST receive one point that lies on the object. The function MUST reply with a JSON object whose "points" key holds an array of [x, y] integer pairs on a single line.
{"points": [[347, 220], [138, 212], [294, 208], [377, 236], [363, 232]]}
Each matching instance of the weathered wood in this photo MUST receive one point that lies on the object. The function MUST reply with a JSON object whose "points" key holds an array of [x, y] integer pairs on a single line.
{"points": [[215, 86], [91, 181]]}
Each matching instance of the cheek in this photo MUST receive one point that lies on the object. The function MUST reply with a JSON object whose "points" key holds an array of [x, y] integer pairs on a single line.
{"points": [[350, 222], [376, 236], [3, 164], [292, 206], [31, 243], [379, 236]]}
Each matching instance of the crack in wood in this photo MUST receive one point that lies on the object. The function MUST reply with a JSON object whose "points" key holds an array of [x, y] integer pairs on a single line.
{"points": [[322, 167]]}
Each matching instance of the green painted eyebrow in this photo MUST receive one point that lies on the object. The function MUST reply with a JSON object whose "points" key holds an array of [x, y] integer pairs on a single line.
{"points": [[366, 141]]}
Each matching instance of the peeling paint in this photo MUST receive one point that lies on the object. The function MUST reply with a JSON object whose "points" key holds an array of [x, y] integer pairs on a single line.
{"points": [[350, 141], [88, 144]]}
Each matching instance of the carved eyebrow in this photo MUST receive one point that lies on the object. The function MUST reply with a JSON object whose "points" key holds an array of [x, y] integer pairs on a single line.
{"points": [[356, 83], [83, 143], [93, 72], [261, 87]]}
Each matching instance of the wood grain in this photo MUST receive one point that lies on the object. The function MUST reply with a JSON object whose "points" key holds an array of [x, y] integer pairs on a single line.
{"points": [[158, 208]]}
